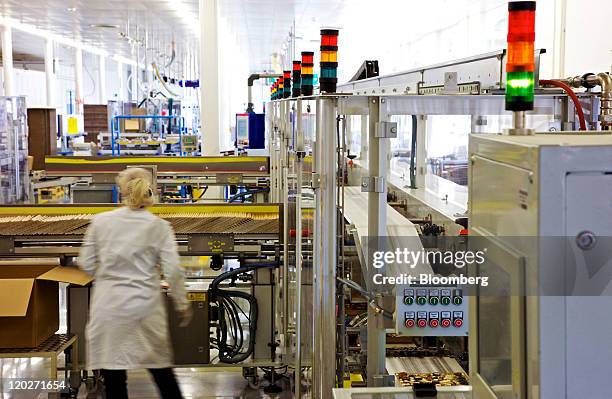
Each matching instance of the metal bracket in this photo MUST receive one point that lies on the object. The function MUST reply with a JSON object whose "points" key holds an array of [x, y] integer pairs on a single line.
{"points": [[386, 130], [229, 178], [211, 243], [373, 184], [451, 83], [315, 181]]}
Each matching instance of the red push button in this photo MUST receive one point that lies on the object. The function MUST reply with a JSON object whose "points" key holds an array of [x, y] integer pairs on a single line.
{"points": [[434, 323], [446, 323], [409, 323], [458, 323], [422, 323]]}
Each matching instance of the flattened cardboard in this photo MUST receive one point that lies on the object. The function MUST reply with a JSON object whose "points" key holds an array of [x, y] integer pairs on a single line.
{"points": [[15, 296], [16, 271], [64, 274], [29, 303]]}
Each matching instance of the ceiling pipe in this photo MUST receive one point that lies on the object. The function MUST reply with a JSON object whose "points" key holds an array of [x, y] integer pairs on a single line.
{"points": [[253, 78]]}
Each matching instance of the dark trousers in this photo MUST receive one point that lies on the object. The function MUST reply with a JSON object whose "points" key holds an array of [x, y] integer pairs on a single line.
{"points": [[115, 382]]}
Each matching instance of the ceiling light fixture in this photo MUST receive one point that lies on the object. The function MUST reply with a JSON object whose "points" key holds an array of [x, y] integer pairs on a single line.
{"points": [[183, 12], [31, 29], [104, 26], [71, 9]]}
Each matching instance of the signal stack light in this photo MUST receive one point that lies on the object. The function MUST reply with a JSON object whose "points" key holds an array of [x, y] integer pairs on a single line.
{"points": [[273, 90], [297, 78], [280, 89], [520, 66], [307, 73], [287, 84], [329, 60]]}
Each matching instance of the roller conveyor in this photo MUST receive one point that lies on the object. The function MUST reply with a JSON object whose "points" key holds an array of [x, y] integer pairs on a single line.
{"points": [[431, 364], [185, 219], [201, 229], [192, 166]]}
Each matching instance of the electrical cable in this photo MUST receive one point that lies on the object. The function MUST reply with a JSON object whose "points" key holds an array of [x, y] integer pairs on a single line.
{"points": [[93, 82], [172, 56], [413, 145], [572, 95], [246, 193], [230, 335], [161, 80]]}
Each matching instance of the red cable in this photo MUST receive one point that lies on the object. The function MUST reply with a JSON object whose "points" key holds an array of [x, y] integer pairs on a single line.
{"points": [[572, 95]]}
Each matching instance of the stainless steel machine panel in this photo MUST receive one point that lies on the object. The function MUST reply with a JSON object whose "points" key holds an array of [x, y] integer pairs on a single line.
{"points": [[431, 311], [191, 343], [532, 199]]}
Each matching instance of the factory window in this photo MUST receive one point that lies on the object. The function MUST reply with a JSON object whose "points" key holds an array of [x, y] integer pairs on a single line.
{"points": [[448, 136], [401, 148], [447, 146], [353, 139]]}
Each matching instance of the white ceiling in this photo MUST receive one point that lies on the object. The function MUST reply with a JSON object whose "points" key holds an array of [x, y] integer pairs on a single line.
{"points": [[77, 20], [261, 26]]}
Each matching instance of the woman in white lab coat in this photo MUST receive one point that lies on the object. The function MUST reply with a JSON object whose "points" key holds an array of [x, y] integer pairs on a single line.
{"points": [[124, 250]]}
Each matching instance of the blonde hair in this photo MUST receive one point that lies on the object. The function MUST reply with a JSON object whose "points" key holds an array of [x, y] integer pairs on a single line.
{"points": [[136, 189]]}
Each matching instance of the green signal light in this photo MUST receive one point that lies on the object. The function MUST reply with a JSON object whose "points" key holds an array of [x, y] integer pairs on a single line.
{"points": [[520, 84], [519, 91]]}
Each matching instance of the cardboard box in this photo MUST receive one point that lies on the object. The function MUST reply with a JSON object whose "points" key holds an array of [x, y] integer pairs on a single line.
{"points": [[134, 125], [29, 302]]}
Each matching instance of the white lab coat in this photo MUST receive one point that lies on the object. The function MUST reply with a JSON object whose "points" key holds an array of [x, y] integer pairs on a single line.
{"points": [[128, 325]]}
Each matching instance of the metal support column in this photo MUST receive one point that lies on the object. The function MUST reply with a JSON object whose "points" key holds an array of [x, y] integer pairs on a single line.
{"points": [[209, 78], [299, 156], [7, 60], [78, 81], [49, 72], [377, 231], [364, 138], [421, 153], [121, 93], [325, 250], [275, 154], [102, 79], [284, 163]]}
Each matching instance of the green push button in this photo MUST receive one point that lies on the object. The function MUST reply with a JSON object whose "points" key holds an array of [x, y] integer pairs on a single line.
{"points": [[446, 300], [421, 300], [434, 300], [408, 300], [457, 300]]}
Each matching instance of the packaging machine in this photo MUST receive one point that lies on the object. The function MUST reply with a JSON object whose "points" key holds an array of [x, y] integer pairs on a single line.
{"points": [[346, 217], [180, 179], [220, 245]]}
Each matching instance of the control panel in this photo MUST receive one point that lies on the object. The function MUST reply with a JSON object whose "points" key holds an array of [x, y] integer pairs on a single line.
{"points": [[431, 311]]}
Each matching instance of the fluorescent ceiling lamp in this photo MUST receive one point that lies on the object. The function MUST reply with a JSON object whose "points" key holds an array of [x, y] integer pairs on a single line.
{"points": [[182, 11], [31, 29]]}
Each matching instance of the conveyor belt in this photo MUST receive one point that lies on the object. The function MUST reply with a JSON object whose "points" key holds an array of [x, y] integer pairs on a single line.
{"points": [[401, 232], [185, 219], [442, 371], [76, 165], [432, 364]]}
